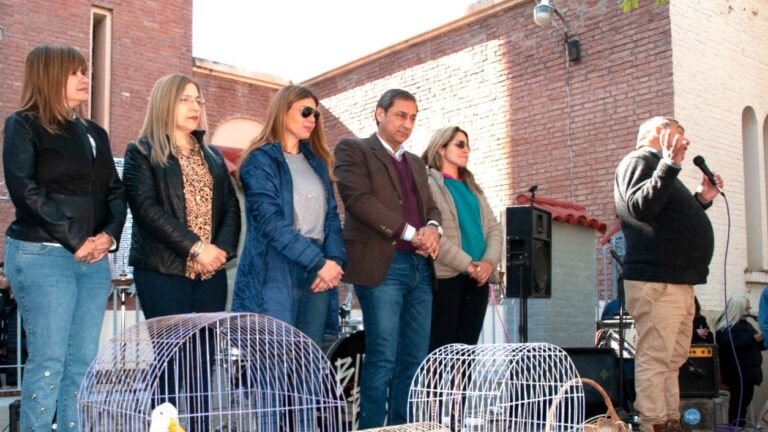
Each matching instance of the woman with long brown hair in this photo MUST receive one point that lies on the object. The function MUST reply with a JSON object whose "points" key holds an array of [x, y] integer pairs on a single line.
{"points": [[70, 211], [470, 248], [293, 253]]}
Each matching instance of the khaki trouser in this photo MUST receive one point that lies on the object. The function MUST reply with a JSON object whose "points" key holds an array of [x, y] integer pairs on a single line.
{"points": [[663, 315]]}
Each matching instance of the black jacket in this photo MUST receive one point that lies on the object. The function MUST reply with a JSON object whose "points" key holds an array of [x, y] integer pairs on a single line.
{"points": [[748, 353], [62, 193], [668, 236], [161, 238], [700, 321]]}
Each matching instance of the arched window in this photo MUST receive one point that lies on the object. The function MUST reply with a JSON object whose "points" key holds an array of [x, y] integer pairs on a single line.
{"points": [[752, 198], [236, 132]]}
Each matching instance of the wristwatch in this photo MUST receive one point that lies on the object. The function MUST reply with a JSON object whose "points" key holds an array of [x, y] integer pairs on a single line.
{"points": [[436, 225]]}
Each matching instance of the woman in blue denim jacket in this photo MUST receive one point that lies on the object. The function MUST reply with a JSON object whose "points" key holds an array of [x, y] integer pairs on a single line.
{"points": [[293, 254], [70, 211]]}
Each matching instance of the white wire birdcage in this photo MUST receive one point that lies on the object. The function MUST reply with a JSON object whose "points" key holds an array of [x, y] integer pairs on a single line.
{"points": [[222, 371], [497, 387], [410, 427]]}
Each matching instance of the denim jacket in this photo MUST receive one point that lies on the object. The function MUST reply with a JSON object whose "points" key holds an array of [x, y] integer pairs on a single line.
{"points": [[272, 243]]}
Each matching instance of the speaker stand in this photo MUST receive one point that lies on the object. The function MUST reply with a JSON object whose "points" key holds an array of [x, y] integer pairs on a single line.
{"points": [[523, 325], [620, 296], [523, 320]]}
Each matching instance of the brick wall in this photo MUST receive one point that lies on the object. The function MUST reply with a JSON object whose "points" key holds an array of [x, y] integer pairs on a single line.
{"points": [[228, 98], [149, 40], [143, 49], [503, 79]]}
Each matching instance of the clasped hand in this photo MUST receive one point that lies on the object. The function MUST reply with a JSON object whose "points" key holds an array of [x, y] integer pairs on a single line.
{"points": [[480, 271], [94, 248], [327, 277], [427, 241], [210, 259]]}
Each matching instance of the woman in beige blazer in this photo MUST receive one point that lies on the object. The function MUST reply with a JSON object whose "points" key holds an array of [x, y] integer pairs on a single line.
{"points": [[470, 248]]}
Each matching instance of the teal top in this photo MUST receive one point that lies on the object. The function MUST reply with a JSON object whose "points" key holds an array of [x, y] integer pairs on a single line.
{"points": [[468, 213]]}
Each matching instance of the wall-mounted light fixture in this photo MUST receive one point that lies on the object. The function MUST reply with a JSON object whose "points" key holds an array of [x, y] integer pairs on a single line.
{"points": [[2, 33], [542, 16]]}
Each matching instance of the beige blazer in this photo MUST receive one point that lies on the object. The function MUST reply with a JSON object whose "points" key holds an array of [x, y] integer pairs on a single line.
{"points": [[452, 259]]}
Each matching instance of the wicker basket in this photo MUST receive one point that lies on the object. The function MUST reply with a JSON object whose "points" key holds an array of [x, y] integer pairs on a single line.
{"points": [[609, 422]]}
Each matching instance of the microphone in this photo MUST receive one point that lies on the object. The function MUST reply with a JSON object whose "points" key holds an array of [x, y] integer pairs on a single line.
{"points": [[702, 164], [532, 190], [616, 257]]}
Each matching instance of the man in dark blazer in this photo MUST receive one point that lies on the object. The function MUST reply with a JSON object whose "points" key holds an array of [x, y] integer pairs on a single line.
{"points": [[391, 230]]}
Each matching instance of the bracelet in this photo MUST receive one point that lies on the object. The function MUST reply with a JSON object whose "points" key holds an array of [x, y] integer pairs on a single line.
{"points": [[197, 248]]}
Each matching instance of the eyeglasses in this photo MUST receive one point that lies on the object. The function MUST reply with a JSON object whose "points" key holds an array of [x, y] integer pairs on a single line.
{"points": [[461, 145], [188, 100], [307, 111]]}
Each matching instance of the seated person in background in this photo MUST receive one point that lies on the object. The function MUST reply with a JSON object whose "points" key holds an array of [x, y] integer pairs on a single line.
{"points": [[701, 331], [611, 310], [739, 344]]}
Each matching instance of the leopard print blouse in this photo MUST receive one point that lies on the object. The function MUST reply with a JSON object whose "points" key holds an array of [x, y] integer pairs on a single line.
{"points": [[198, 197]]}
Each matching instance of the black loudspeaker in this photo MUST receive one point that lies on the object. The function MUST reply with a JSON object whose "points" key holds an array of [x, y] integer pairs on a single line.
{"points": [[699, 377], [601, 366], [14, 415], [529, 252]]}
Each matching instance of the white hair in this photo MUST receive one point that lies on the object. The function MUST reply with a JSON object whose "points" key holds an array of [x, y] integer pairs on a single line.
{"points": [[647, 129], [734, 311]]}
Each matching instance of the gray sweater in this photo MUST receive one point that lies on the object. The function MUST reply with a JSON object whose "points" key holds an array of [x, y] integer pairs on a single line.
{"points": [[669, 237]]}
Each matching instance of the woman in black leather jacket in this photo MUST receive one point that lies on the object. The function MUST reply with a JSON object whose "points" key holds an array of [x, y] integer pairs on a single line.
{"points": [[70, 211], [186, 216], [186, 219]]}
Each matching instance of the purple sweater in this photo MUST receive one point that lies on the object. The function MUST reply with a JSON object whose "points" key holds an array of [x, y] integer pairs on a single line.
{"points": [[410, 200]]}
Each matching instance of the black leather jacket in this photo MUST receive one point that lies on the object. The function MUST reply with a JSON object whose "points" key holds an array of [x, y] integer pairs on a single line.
{"points": [[161, 238], [62, 193]]}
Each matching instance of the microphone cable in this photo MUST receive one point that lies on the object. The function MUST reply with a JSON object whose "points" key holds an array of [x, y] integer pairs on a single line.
{"points": [[497, 311], [728, 323]]}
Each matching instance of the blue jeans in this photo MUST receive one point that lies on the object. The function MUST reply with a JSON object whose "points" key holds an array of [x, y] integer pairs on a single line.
{"points": [[396, 315], [62, 303], [308, 313], [310, 310]]}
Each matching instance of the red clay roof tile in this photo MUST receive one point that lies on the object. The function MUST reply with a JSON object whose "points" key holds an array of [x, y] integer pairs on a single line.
{"points": [[564, 212]]}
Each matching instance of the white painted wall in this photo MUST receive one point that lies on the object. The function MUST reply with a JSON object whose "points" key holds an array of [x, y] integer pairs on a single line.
{"points": [[568, 318], [720, 66]]}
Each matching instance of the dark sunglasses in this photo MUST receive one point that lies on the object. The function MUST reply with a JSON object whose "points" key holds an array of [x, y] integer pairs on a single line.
{"points": [[308, 111], [461, 144]]}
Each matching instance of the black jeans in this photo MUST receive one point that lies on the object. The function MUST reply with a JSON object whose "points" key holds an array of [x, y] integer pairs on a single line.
{"points": [[163, 294], [458, 311], [737, 415], [186, 376]]}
